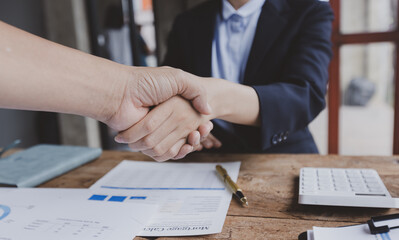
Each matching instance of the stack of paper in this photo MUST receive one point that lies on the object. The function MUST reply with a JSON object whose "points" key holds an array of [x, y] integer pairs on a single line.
{"points": [[357, 232], [192, 199], [135, 198], [63, 214]]}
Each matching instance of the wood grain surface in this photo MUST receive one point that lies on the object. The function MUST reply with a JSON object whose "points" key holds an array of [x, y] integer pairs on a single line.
{"points": [[270, 183]]}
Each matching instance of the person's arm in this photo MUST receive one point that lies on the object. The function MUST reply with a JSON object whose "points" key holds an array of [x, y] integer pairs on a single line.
{"points": [[36, 74], [242, 107]]}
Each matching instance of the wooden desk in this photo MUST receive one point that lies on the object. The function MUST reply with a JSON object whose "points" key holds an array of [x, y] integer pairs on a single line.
{"points": [[271, 185]]}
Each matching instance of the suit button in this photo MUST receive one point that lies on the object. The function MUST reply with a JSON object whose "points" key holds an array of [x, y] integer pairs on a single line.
{"points": [[285, 135], [280, 137], [275, 139]]}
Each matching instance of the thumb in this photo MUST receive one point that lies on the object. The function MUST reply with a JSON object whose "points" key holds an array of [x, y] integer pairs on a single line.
{"points": [[194, 91], [201, 104]]}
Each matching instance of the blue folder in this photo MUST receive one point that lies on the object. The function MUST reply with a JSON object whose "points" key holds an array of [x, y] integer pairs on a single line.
{"points": [[41, 163]]}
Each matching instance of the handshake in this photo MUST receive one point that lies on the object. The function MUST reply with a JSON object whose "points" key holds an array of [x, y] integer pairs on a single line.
{"points": [[162, 112]]}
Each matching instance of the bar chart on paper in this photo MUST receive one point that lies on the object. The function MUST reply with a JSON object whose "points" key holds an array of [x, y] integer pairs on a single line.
{"points": [[191, 198], [4, 211], [65, 214], [96, 197]]}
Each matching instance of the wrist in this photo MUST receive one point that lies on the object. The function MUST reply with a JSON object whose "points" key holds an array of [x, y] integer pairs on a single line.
{"points": [[233, 102], [218, 91], [112, 93]]}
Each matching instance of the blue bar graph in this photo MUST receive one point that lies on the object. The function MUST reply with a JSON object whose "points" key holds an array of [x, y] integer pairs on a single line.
{"points": [[138, 197], [117, 198], [98, 197]]}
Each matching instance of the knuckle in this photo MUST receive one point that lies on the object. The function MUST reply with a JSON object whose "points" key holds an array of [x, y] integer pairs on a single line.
{"points": [[150, 125], [158, 150], [209, 127], [178, 72], [173, 153], [148, 142]]}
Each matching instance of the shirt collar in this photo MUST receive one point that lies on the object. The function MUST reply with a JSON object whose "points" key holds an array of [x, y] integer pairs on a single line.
{"points": [[248, 9]]}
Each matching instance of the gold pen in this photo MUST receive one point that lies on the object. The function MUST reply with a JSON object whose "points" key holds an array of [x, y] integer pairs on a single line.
{"points": [[234, 187]]}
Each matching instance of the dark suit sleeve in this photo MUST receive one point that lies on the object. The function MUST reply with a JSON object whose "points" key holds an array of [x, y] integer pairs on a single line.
{"points": [[176, 40], [291, 102]]}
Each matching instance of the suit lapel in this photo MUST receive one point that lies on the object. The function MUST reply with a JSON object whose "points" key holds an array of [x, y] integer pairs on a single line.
{"points": [[202, 35], [270, 24]]}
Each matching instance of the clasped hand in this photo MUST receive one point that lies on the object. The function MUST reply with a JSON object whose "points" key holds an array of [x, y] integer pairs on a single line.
{"points": [[162, 133], [175, 126]]}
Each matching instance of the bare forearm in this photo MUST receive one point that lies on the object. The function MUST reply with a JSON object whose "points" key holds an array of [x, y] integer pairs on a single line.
{"points": [[233, 102], [36, 74]]}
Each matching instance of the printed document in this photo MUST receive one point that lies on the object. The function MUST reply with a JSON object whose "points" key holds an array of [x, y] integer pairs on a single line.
{"points": [[357, 232], [67, 214], [192, 199]]}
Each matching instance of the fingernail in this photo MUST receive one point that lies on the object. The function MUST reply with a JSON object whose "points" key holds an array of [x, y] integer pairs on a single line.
{"points": [[118, 139]]}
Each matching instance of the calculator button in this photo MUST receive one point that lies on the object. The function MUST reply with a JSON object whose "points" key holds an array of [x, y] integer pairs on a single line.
{"points": [[341, 185], [355, 180], [342, 188], [375, 190], [357, 184], [325, 188], [373, 185], [359, 189], [353, 174], [371, 180], [368, 173]]}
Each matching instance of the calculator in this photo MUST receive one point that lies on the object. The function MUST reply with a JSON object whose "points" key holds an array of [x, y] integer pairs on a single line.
{"points": [[344, 187]]}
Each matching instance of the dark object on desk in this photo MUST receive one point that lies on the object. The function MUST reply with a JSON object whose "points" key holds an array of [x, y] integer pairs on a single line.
{"points": [[303, 236], [233, 186], [373, 229], [41, 163], [384, 228]]}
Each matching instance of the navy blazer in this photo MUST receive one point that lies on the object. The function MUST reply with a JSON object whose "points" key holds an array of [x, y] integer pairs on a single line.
{"points": [[287, 67]]}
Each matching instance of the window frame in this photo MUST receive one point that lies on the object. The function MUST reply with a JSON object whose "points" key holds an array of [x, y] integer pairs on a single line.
{"points": [[334, 95]]}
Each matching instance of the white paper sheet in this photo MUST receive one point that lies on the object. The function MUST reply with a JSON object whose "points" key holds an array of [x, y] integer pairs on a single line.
{"points": [[193, 199], [310, 235], [67, 214], [357, 232]]}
